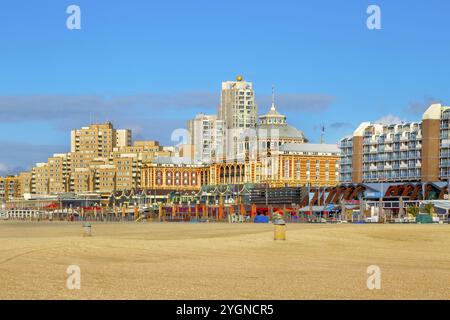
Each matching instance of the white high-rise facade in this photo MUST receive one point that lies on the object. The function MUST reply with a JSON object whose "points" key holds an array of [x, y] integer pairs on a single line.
{"points": [[206, 137], [237, 111], [237, 104]]}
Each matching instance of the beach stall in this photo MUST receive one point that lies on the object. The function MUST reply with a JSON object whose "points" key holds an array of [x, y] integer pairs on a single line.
{"points": [[319, 213]]}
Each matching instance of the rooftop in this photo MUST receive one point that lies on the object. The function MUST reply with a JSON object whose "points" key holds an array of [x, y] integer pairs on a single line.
{"points": [[310, 147]]}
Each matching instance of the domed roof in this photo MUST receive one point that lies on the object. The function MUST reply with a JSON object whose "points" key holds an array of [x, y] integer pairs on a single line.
{"points": [[273, 125], [273, 116], [282, 131]]}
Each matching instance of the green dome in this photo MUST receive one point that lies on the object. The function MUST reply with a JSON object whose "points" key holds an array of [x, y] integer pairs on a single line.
{"points": [[284, 131]]}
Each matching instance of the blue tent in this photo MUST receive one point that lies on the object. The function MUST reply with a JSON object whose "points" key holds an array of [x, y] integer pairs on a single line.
{"points": [[261, 219]]}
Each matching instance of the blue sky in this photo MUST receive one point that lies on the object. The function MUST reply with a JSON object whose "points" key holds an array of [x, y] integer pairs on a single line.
{"points": [[151, 65]]}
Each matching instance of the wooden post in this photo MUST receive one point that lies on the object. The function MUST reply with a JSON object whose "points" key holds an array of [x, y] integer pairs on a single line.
{"points": [[136, 213], [174, 210], [124, 212], [253, 214], [220, 213]]}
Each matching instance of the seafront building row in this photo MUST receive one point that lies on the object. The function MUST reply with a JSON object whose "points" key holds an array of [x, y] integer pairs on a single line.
{"points": [[233, 147], [147, 165], [236, 147]]}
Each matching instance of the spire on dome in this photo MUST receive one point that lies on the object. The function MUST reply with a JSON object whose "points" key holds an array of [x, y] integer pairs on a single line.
{"points": [[273, 117], [272, 108]]}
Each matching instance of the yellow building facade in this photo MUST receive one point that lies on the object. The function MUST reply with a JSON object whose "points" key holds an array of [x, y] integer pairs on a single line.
{"points": [[169, 174], [301, 165], [9, 188]]}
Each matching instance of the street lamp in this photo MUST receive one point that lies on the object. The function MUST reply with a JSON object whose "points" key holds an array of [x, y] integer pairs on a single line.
{"points": [[267, 194]]}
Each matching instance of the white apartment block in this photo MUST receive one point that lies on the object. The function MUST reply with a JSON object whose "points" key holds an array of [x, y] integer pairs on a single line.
{"points": [[206, 134], [415, 151], [238, 111]]}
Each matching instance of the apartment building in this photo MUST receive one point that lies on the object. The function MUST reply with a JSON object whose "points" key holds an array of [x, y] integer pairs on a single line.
{"points": [[102, 160], [9, 188], [59, 173], [237, 112], [237, 104], [41, 179], [416, 151], [81, 181], [25, 183], [98, 140], [123, 138], [129, 161], [105, 176], [206, 137]]}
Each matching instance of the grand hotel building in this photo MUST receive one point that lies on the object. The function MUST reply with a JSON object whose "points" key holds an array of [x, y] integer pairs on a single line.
{"points": [[273, 153], [416, 151]]}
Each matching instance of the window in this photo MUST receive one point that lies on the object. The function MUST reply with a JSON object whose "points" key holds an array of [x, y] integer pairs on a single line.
{"points": [[286, 169], [297, 170]]}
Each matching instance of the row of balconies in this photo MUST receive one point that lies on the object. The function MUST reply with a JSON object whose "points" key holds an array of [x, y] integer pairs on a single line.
{"points": [[392, 175], [444, 163], [369, 139], [391, 158], [391, 178], [393, 166], [346, 161], [392, 149]]}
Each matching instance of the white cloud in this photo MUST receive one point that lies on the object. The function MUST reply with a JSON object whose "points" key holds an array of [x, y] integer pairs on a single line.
{"points": [[22, 155], [312, 103], [389, 119], [3, 168], [57, 107], [419, 107]]}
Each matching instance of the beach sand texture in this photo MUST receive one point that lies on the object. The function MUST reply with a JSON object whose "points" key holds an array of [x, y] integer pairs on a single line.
{"points": [[223, 261]]}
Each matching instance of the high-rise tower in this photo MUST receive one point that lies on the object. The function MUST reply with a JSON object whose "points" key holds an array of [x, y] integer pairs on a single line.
{"points": [[237, 112], [237, 104]]}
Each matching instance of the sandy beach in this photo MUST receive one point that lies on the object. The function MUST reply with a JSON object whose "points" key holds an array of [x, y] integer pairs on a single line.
{"points": [[223, 261]]}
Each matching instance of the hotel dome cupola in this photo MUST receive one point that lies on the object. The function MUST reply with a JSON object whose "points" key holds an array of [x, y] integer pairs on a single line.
{"points": [[274, 124], [273, 116]]}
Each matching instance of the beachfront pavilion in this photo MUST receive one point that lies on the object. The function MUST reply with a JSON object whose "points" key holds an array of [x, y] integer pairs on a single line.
{"points": [[441, 207]]}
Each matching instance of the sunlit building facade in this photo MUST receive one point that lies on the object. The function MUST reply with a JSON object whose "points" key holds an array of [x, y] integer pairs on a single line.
{"points": [[415, 151], [172, 173], [9, 188]]}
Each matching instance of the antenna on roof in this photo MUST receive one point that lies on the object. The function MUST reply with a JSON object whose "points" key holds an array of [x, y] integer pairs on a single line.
{"points": [[273, 94], [322, 134], [272, 107]]}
